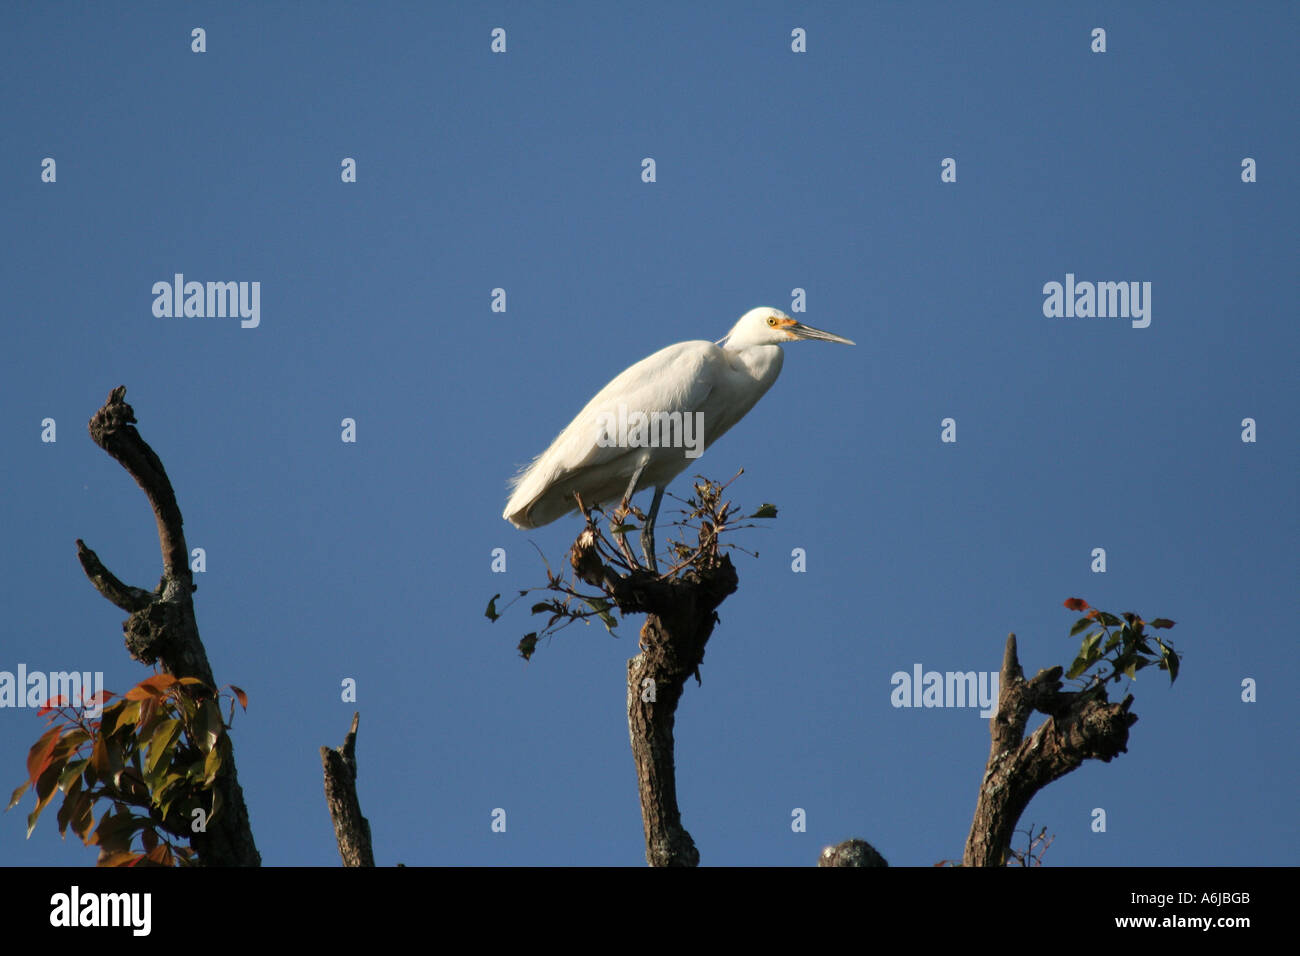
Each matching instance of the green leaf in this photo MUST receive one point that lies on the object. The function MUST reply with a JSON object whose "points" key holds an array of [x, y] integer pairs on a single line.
{"points": [[211, 766], [1078, 667], [1110, 620], [528, 645], [116, 829], [211, 727], [69, 801], [68, 744], [1081, 624], [108, 759], [164, 799], [127, 716], [161, 744], [1161, 622], [72, 771], [1169, 661], [18, 794], [765, 510], [601, 607], [491, 612]]}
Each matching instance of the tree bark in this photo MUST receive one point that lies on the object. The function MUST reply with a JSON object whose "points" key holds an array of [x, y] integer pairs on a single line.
{"points": [[351, 829], [680, 616], [1080, 726], [851, 853], [162, 628]]}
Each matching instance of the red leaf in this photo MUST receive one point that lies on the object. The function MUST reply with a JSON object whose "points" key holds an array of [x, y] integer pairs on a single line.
{"points": [[100, 697], [243, 698], [38, 758], [1076, 604]]}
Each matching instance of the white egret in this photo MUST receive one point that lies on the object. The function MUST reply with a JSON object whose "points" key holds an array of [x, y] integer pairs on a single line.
{"points": [[645, 427]]}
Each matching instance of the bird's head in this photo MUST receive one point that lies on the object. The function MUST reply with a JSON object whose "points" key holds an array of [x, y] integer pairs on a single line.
{"points": [[772, 327]]}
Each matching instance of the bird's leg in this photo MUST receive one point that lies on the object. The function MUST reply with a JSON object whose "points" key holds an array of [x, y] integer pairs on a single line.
{"points": [[631, 485], [621, 537], [621, 515], [648, 531]]}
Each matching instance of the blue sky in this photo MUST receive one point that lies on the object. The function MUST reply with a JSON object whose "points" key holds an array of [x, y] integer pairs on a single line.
{"points": [[775, 170]]}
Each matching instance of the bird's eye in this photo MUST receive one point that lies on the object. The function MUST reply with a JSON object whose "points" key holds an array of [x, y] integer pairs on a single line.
{"points": [[771, 320]]}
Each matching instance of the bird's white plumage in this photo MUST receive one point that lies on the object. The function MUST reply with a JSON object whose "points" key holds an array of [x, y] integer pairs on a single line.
{"points": [[722, 381]]}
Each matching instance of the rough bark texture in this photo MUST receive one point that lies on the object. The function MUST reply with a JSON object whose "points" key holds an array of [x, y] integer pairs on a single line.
{"points": [[851, 853], [162, 628], [680, 615], [351, 829], [1080, 726]]}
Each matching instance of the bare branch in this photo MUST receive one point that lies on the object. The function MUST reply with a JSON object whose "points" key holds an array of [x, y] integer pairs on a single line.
{"points": [[125, 596], [112, 429], [162, 628], [351, 829], [1080, 726]]}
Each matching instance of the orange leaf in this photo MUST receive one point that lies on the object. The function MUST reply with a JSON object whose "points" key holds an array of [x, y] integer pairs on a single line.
{"points": [[1076, 604], [243, 698], [154, 686], [99, 698], [119, 858], [38, 758]]}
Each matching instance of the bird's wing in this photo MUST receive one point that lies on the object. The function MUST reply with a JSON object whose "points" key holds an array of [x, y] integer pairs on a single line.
{"points": [[678, 378]]}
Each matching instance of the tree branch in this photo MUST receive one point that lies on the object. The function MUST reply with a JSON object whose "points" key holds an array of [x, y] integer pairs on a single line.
{"points": [[351, 829], [128, 598], [1080, 726], [162, 628], [680, 614], [111, 429]]}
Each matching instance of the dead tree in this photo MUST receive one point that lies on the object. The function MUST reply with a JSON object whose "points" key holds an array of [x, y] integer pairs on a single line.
{"points": [[162, 628], [681, 608], [1081, 725], [351, 829]]}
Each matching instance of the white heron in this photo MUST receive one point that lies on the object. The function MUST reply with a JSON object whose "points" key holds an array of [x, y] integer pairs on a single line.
{"points": [[700, 389]]}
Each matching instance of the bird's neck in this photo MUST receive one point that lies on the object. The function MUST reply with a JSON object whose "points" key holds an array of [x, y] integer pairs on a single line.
{"points": [[761, 362]]}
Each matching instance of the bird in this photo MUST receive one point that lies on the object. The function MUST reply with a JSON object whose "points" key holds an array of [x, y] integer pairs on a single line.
{"points": [[690, 393]]}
